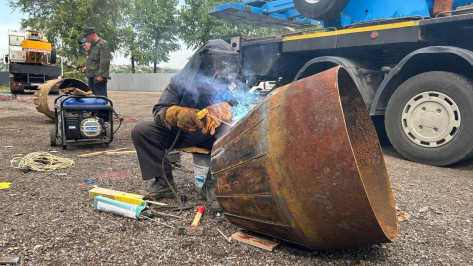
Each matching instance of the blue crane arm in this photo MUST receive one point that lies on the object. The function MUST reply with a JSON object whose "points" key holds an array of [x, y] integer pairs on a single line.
{"points": [[273, 14], [282, 13]]}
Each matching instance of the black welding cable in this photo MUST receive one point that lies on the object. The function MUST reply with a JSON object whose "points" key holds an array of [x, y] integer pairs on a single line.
{"points": [[181, 204], [120, 119], [119, 125]]}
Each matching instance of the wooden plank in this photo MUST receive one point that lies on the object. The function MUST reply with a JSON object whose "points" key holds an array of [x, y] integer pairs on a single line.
{"points": [[120, 152], [9, 260], [255, 241], [85, 155]]}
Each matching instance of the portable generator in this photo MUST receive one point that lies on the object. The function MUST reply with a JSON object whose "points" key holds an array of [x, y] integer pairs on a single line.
{"points": [[81, 120]]}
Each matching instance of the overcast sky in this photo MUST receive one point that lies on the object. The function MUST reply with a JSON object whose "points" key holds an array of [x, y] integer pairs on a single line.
{"points": [[10, 20]]}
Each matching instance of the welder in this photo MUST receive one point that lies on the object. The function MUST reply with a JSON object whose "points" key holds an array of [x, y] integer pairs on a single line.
{"points": [[206, 82]]}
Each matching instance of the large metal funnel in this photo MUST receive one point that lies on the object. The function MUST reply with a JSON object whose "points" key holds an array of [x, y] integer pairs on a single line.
{"points": [[306, 166]]}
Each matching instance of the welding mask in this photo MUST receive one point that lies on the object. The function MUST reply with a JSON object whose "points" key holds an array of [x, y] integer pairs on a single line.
{"points": [[222, 66]]}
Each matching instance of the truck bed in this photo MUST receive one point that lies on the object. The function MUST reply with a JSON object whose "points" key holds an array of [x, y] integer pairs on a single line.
{"points": [[386, 42]]}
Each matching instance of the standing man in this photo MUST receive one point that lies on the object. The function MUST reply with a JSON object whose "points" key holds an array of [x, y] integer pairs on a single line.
{"points": [[97, 63], [85, 44]]}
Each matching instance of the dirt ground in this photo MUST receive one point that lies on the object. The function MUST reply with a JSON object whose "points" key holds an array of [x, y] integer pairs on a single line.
{"points": [[47, 218]]}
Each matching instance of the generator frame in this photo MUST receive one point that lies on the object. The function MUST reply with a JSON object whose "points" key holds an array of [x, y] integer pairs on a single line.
{"points": [[59, 114]]}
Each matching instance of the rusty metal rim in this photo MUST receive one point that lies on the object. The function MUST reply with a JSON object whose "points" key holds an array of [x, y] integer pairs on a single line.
{"points": [[40, 98]]}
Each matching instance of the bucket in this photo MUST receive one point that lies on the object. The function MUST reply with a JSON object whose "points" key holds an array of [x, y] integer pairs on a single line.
{"points": [[201, 168]]}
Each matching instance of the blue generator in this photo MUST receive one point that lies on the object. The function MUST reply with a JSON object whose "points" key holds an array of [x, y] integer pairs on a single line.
{"points": [[81, 120]]}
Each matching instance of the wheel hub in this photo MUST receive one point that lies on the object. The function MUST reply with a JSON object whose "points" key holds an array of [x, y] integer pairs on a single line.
{"points": [[431, 119]]}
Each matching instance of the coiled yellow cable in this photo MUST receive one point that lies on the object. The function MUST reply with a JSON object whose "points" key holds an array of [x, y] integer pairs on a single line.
{"points": [[40, 161]]}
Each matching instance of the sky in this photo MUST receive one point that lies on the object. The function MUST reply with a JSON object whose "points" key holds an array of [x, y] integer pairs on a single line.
{"points": [[10, 19]]}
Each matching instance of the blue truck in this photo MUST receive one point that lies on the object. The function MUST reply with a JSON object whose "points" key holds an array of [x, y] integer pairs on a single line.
{"points": [[412, 61]]}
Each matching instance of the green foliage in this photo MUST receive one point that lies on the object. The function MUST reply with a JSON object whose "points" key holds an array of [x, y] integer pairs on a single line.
{"points": [[62, 21], [74, 74], [143, 69], [197, 26], [155, 23], [145, 30], [3, 67]]}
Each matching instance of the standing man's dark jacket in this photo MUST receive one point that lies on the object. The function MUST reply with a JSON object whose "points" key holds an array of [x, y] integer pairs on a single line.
{"points": [[98, 60]]}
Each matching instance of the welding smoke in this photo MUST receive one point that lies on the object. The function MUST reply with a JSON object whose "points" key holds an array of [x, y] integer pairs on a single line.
{"points": [[210, 76]]}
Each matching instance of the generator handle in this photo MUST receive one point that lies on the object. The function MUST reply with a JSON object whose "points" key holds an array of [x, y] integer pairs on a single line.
{"points": [[68, 96], [120, 118]]}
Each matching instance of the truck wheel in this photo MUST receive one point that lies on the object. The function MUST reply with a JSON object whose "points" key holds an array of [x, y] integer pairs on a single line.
{"points": [[53, 56], [429, 118], [320, 9], [52, 135]]}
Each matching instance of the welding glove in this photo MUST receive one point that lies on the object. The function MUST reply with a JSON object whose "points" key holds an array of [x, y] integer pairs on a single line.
{"points": [[183, 117], [221, 111]]}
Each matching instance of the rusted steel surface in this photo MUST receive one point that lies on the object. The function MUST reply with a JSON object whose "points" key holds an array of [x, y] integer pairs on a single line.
{"points": [[40, 97], [306, 166]]}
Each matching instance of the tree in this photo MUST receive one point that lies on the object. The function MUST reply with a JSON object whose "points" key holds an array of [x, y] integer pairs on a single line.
{"points": [[197, 26], [130, 45], [155, 22], [62, 21]]}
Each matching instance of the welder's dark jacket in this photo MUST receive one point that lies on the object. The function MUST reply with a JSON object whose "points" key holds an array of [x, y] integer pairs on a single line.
{"points": [[187, 89], [97, 61]]}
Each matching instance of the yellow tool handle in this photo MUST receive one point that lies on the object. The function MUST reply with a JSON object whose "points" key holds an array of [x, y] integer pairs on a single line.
{"points": [[202, 113], [198, 215], [196, 219]]}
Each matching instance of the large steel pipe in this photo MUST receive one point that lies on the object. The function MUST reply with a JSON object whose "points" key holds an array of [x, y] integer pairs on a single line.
{"points": [[306, 166]]}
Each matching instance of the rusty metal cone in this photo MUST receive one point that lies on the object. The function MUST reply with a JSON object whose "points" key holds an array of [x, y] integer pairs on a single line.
{"points": [[306, 166]]}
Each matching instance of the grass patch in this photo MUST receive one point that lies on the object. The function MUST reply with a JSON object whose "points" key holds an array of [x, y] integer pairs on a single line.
{"points": [[4, 89]]}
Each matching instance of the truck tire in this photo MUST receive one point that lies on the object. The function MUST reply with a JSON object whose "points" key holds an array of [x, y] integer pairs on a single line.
{"points": [[429, 118], [53, 56], [320, 9]]}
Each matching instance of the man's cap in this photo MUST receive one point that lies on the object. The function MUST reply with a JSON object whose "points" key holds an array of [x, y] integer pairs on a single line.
{"points": [[83, 41], [88, 30]]}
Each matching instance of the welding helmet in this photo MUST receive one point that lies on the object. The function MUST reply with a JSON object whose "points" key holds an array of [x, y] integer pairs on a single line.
{"points": [[221, 65], [216, 60]]}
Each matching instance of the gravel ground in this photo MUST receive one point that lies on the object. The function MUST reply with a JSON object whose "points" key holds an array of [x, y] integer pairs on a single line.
{"points": [[47, 218]]}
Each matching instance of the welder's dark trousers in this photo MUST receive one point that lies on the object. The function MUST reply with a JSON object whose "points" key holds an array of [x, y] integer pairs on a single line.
{"points": [[151, 142]]}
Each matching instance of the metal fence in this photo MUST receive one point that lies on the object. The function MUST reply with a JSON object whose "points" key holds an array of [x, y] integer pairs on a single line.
{"points": [[4, 79], [139, 82], [125, 81]]}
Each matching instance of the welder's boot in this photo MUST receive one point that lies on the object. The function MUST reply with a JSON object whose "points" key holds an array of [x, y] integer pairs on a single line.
{"points": [[160, 189], [209, 194]]}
